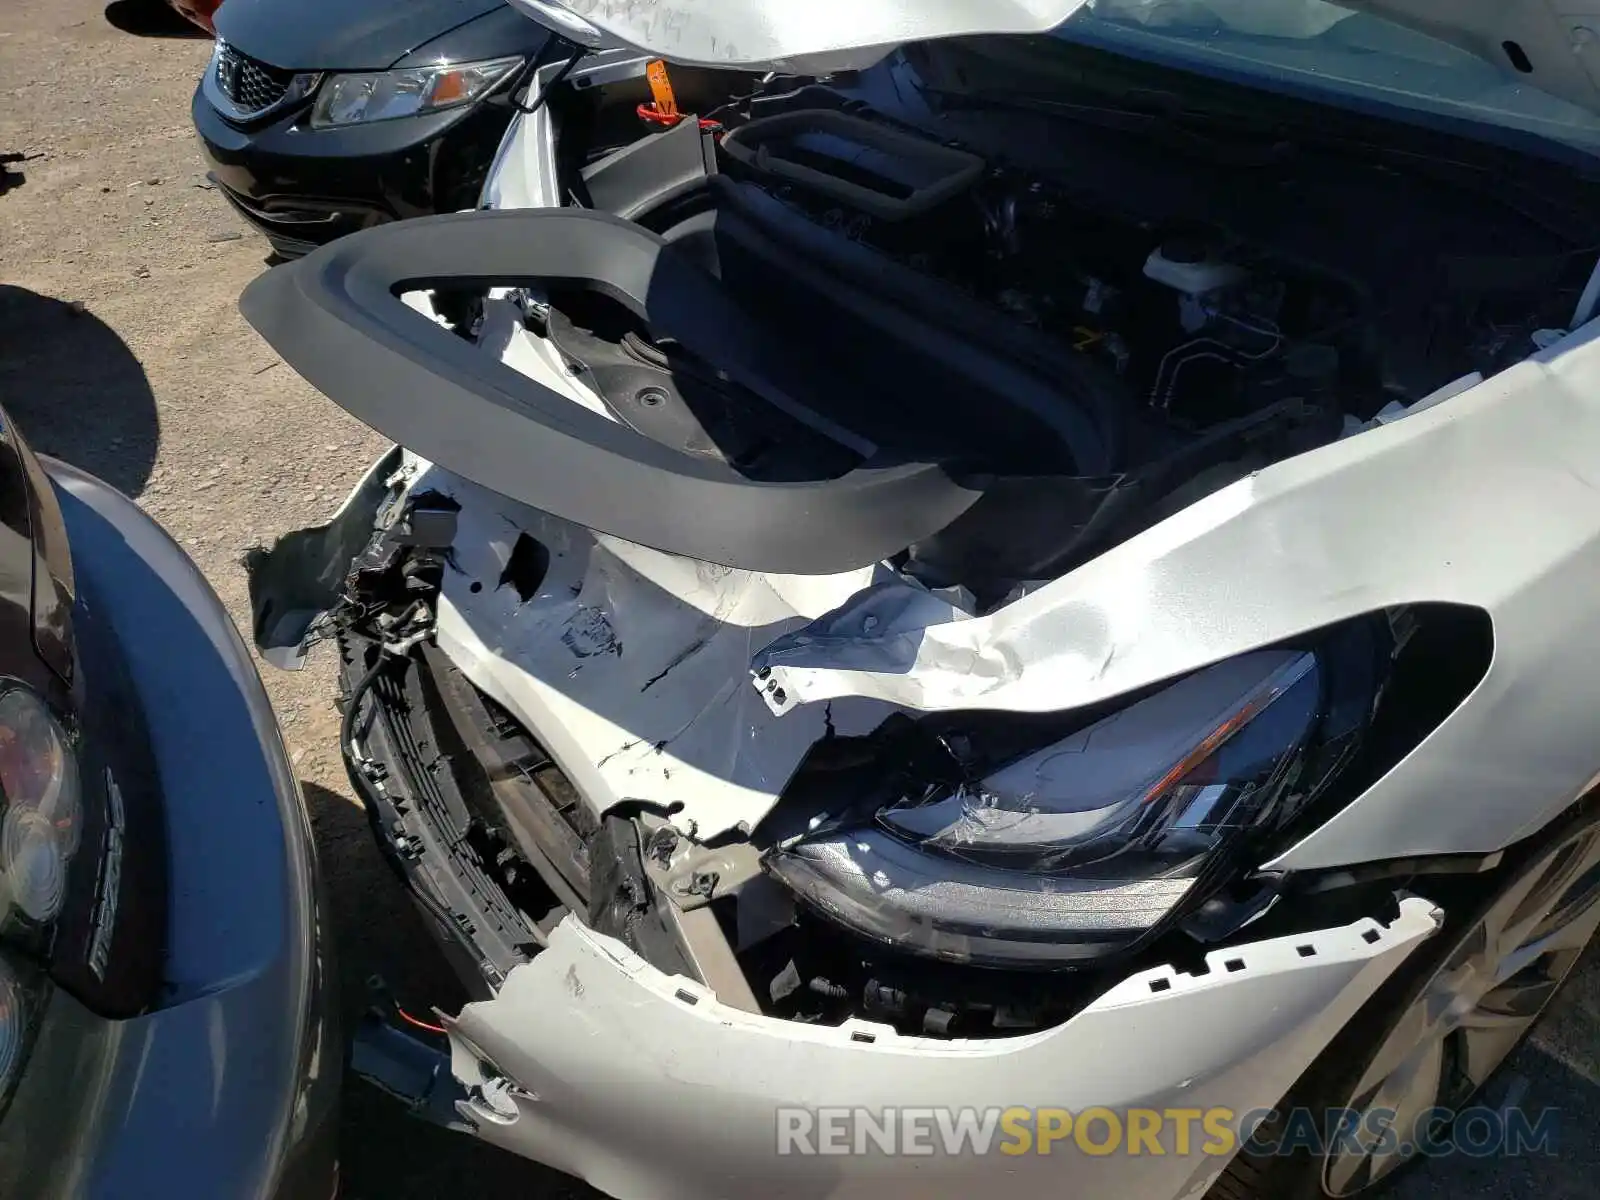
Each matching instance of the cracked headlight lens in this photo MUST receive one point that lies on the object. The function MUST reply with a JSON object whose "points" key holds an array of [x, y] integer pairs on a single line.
{"points": [[383, 95], [1061, 854]]}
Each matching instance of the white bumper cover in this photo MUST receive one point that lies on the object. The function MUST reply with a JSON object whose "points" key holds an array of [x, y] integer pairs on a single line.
{"points": [[651, 1089]]}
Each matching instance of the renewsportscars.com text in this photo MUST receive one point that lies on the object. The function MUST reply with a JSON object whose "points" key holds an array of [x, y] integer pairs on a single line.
{"points": [[1218, 1132]]}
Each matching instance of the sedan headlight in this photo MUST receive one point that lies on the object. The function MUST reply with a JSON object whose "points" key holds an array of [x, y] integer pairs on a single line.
{"points": [[384, 95], [1050, 856], [41, 806]]}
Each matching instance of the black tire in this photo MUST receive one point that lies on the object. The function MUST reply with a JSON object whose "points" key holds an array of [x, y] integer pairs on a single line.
{"points": [[1332, 1079]]}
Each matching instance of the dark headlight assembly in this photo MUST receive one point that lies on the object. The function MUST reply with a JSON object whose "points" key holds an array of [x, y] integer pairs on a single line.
{"points": [[1035, 844]]}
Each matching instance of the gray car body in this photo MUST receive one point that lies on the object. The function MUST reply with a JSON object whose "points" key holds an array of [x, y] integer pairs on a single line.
{"points": [[229, 1088]]}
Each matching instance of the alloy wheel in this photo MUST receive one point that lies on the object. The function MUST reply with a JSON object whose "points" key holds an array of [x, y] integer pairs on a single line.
{"points": [[1476, 1008]]}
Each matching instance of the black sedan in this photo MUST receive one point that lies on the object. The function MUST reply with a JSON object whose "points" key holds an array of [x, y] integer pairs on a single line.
{"points": [[319, 117], [164, 1025]]}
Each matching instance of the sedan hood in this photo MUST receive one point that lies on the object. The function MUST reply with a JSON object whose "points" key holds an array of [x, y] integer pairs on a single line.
{"points": [[350, 35], [1553, 45]]}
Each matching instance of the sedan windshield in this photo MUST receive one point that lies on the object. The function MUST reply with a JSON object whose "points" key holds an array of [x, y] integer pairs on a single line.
{"points": [[1317, 47]]}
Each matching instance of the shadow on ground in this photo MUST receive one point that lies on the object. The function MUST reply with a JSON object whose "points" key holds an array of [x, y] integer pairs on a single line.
{"points": [[75, 389], [378, 931], [11, 177], [150, 18]]}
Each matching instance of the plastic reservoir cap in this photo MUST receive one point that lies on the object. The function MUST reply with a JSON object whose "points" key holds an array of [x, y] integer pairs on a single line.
{"points": [[1188, 267]]}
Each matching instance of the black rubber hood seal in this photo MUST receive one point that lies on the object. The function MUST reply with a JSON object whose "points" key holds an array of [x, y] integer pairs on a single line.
{"points": [[337, 319]]}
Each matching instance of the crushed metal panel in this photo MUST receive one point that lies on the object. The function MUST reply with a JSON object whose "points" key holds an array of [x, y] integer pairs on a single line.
{"points": [[301, 577], [1486, 499], [651, 1089], [630, 665], [812, 38]]}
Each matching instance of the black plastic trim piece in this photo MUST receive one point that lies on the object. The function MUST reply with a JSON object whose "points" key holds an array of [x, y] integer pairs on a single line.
{"points": [[551, 846], [1082, 405], [337, 319], [624, 905], [651, 171], [420, 819], [768, 145]]}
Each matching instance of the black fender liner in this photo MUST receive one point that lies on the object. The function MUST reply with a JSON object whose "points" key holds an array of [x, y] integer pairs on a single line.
{"points": [[337, 319]]}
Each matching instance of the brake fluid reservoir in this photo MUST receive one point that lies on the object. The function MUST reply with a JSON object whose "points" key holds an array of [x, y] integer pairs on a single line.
{"points": [[1191, 267], [1193, 270]]}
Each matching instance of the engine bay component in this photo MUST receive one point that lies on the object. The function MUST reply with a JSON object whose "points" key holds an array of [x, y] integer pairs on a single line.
{"points": [[1191, 267], [868, 165], [484, 417]]}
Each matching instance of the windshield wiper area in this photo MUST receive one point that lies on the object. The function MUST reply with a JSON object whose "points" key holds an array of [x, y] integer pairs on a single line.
{"points": [[1230, 137], [1227, 135]]}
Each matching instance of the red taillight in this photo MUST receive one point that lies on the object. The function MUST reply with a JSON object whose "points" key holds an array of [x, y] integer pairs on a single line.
{"points": [[41, 806]]}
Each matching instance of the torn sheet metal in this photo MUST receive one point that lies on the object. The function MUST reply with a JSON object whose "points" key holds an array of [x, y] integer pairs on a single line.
{"points": [[629, 665], [302, 576], [503, 334], [1487, 499], [649, 1087]]}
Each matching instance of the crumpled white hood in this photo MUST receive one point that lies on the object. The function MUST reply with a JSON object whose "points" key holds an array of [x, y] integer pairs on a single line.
{"points": [[810, 37], [1553, 44]]}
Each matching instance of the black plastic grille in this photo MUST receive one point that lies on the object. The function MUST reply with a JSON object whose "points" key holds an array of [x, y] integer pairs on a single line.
{"points": [[253, 86]]}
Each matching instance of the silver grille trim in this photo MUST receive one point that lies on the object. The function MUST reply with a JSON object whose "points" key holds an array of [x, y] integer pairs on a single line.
{"points": [[242, 88]]}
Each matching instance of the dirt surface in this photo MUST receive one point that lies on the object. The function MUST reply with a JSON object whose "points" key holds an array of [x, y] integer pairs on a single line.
{"points": [[121, 350]]}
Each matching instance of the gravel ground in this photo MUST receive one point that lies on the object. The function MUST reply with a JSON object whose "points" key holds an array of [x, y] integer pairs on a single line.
{"points": [[121, 350]]}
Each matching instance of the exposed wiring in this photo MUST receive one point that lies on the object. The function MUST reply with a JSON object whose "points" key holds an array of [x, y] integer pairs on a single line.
{"points": [[744, 100], [352, 708], [387, 652], [420, 1023], [654, 115], [544, 93]]}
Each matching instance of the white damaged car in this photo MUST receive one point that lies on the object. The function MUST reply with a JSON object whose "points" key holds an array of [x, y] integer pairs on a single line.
{"points": [[986, 555]]}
